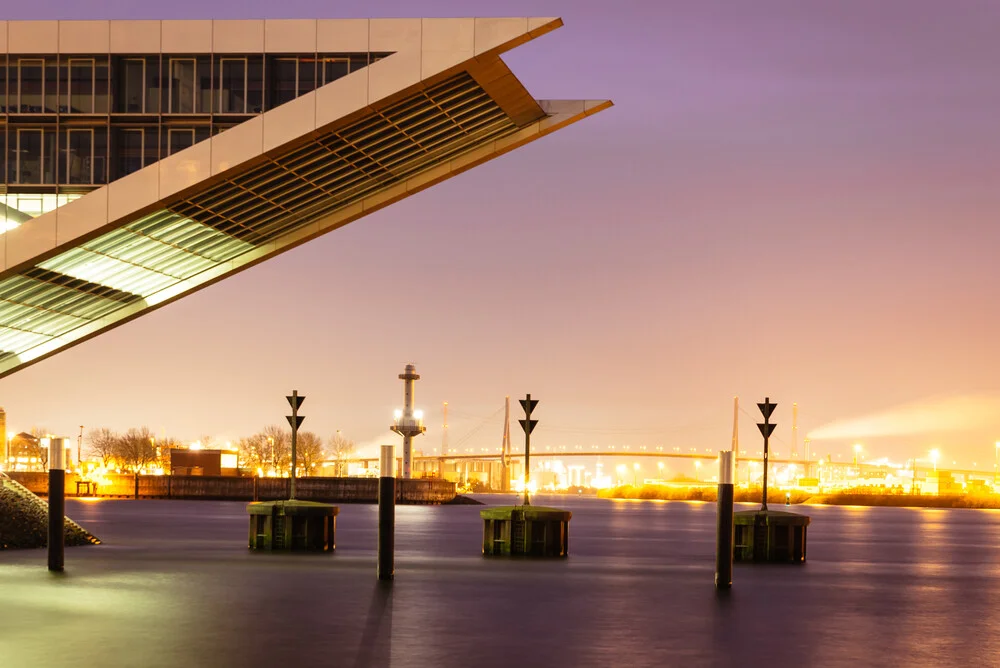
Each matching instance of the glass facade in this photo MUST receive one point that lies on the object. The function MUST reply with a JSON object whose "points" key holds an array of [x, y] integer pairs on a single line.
{"points": [[71, 123]]}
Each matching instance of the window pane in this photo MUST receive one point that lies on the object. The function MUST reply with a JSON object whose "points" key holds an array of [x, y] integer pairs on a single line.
{"points": [[307, 75], [180, 140], [51, 87], [30, 86], [359, 61], [130, 151], [204, 79], [3, 87], [102, 87], [233, 87], [284, 81], [255, 85], [100, 159], [153, 85], [80, 157], [29, 156], [133, 86], [49, 161], [11, 155], [81, 86], [334, 68], [182, 86]]}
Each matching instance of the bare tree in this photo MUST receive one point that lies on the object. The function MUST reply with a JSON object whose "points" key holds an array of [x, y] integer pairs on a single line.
{"points": [[254, 452], [36, 449], [104, 443], [279, 447], [27, 448], [137, 450], [164, 445], [309, 451], [341, 449]]}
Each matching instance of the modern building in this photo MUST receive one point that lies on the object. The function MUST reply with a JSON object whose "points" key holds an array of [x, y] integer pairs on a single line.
{"points": [[190, 461], [144, 160]]}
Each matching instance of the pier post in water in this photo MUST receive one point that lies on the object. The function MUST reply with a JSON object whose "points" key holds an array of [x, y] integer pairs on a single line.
{"points": [[386, 512], [57, 503], [724, 527]]}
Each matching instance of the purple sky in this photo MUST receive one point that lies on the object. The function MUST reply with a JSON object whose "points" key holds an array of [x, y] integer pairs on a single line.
{"points": [[790, 199]]}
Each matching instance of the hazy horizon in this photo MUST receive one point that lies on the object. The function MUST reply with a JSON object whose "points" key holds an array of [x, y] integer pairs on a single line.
{"points": [[788, 200]]}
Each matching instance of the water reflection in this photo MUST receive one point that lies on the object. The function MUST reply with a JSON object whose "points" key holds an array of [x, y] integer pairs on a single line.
{"points": [[175, 586]]}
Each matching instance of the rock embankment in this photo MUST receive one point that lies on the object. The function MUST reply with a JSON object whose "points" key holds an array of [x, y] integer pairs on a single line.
{"points": [[24, 523]]}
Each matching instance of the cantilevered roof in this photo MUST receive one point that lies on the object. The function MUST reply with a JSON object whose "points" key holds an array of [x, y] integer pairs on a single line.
{"points": [[442, 103]]}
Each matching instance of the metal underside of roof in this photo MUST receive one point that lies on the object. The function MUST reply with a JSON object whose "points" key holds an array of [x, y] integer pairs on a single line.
{"points": [[61, 299]]}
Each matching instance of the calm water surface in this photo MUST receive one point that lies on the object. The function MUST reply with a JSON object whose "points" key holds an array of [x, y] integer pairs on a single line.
{"points": [[174, 585]]}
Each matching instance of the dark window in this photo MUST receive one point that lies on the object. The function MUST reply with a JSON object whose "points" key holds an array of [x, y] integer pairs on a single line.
{"points": [[29, 156], [80, 157], [132, 95], [179, 139], [51, 87], [3, 86], [30, 76], [131, 150], [204, 79], [11, 155], [284, 80], [359, 61], [102, 87], [255, 85], [182, 86], [80, 88], [233, 86], [307, 75], [153, 87], [334, 67]]}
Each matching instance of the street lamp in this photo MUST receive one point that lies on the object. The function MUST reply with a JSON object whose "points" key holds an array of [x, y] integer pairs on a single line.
{"points": [[635, 476], [857, 451], [935, 453], [621, 472]]}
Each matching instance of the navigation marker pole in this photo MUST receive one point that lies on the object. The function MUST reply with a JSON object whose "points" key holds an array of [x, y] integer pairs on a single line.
{"points": [[766, 429], [386, 512], [527, 424], [57, 503], [724, 526], [294, 420]]}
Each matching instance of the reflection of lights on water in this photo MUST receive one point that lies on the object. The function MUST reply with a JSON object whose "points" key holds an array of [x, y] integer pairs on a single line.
{"points": [[518, 486]]}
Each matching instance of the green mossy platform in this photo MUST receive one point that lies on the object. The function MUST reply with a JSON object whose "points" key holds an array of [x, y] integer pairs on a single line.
{"points": [[774, 536], [293, 526], [531, 531]]}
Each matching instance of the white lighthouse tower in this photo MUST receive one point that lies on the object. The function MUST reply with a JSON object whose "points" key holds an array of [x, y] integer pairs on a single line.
{"points": [[408, 423]]}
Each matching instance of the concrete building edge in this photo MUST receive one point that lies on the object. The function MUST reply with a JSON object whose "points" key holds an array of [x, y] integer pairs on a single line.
{"points": [[263, 157], [17, 363]]}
